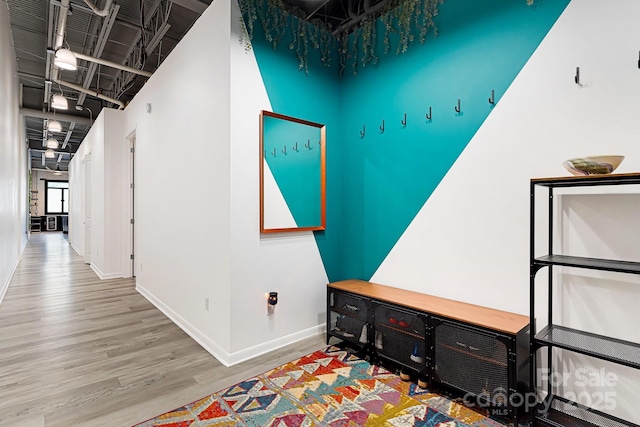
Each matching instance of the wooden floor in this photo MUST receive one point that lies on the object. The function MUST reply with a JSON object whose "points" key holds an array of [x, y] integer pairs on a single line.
{"points": [[79, 351]]}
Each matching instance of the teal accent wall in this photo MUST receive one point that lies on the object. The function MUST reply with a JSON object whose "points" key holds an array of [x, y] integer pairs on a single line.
{"points": [[377, 183]]}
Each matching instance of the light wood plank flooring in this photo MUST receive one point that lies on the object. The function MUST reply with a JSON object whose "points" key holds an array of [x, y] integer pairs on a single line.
{"points": [[79, 351]]}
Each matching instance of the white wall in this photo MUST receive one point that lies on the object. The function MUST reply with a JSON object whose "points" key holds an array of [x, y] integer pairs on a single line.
{"points": [[13, 161], [474, 229], [103, 144], [182, 201]]}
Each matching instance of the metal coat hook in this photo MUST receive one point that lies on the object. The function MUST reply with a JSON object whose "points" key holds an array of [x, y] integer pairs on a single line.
{"points": [[308, 145], [492, 100], [274, 152], [429, 115], [457, 107], [295, 147], [404, 121], [382, 127], [284, 150], [362, 132], [577, 77]]}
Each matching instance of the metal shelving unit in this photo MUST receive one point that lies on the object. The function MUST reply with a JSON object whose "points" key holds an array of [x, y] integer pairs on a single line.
{"points": [[557, 411]]}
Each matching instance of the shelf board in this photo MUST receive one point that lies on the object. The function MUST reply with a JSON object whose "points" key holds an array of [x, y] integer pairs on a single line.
{"points": [[623, 352], [563, 413], [582, 181], [591, 263]]}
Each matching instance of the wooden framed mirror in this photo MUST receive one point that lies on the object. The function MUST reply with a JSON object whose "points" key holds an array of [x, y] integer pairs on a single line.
{"points": [[292, 174]]}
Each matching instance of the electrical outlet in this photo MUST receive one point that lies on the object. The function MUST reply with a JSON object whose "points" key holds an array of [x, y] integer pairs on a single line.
{"points": [[206, 303]]}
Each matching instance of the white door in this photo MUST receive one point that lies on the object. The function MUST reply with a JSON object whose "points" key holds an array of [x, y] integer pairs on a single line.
{"points": [[87, 209]]}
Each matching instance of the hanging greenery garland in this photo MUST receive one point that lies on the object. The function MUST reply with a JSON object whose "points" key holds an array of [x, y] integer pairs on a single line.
{"points": [[355, 42]]}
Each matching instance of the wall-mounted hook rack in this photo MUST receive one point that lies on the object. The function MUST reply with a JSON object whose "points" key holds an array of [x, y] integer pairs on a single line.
{"points": [[404, 121], [308, 145], [382, 127], [284, 150], [362, 132], [429, 115], [492, 99], [274, 152], [295, 147], [577, 76], [457, 107]]}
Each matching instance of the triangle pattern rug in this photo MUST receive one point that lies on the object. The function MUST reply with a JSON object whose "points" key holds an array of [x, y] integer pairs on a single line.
{"points": [[332, 388]]}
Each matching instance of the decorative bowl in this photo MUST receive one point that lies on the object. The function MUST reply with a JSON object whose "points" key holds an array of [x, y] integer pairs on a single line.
{"points": [[592, 165]]}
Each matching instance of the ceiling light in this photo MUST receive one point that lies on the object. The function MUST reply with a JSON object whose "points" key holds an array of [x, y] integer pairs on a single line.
{"points": [[49, 154], [58, 171], [65, 60], [52, 143], [59, 102], [54, 126]]}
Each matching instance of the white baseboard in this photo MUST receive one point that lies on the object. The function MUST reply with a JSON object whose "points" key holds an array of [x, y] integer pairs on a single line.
{"points": [[257, 350], [104, 276], [76, 249], [223, 356], [218, 352], [5, 285]]}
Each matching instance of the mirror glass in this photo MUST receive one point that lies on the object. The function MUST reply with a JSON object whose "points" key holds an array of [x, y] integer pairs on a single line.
{"points": [[292, 174]]}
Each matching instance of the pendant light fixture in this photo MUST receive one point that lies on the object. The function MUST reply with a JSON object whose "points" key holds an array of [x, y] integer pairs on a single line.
{"points": [[65, 60], [57, 171], [54, 126], [52, 143], [49, 154], [59, 102]]}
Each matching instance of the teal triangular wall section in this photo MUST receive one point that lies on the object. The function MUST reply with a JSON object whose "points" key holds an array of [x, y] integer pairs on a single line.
{"points": [[377, 184]]}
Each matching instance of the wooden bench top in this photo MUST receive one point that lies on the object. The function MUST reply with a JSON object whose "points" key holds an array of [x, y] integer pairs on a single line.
{"points": [[498, 320]]}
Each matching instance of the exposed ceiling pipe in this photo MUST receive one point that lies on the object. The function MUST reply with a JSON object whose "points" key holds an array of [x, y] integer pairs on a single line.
{"points": [[90, 92], [30, 112], [112, 64], [355, 19], [99, 12], [61, 27]]}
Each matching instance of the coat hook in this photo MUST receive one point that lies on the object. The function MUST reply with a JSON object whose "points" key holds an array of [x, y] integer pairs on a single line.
{"points": [[577, 77], [308, 145], [492, 100], [428, 115], [457, 107], [382, 127], [295, 147], [362, 132], [284, 150], [404, 120], [274, 152]]}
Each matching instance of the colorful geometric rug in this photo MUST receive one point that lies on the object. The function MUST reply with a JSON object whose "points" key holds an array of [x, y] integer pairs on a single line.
{"points": [[332, 388]]}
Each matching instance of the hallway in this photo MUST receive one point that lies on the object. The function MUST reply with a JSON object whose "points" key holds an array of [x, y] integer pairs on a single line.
{"points": [[79, 351]]}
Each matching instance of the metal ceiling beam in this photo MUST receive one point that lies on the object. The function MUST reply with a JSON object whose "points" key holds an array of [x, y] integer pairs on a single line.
{"points": [[193, 5], [107, 25], [30, 112]]}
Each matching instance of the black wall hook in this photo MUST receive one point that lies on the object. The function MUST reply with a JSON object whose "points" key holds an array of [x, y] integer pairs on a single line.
{"points": [[457, 107], [284, 150], [274, 152], [577, 77], [492, 100], [404, 121], [362, 132], [429, 115], [308, 144], [295, 147], [382, 127]]}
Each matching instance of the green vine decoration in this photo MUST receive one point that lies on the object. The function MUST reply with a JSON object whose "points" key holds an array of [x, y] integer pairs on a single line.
{"points": [[356, 42]]}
